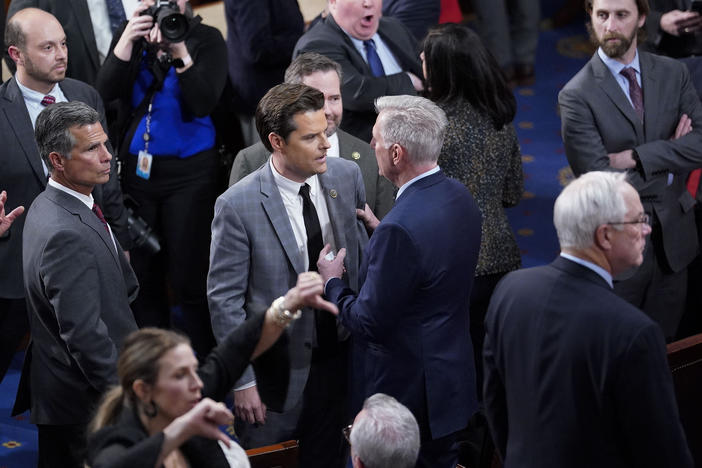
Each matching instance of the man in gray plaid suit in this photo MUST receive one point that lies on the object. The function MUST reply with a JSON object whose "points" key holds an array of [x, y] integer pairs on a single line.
{"points": [[267, 228]]}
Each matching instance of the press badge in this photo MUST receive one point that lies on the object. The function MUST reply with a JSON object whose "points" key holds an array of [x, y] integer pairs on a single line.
{"points": [[144, 161]]}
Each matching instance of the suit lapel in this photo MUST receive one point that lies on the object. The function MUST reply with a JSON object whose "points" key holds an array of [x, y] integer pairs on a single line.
{"points": [[86, 216], [82, 14], [406, 61], [18, 118], [357, 58], [610, 86], [275, 210], [651, 96], [329, 184]]}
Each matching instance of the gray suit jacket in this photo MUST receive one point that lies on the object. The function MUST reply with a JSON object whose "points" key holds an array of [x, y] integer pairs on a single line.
{"points": [[254, 259], [78, 292], [74, 16], [597, 119], [380, 194], [22, 175]]}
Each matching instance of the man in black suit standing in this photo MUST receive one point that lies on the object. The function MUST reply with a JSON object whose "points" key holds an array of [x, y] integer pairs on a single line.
{"points": [[574, 375], [378, 57], [37, 44], [78, 285], [324, 74]]}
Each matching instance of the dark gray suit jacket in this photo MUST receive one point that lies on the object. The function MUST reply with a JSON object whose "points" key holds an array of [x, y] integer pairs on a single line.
{"points": [[380, 194], [22, 175], [78, 288], [597, 119], [254, 259], [359, 87], [74, 16], [575, 376]]}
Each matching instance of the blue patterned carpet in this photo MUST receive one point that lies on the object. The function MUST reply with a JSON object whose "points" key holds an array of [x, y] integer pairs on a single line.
{"points": [[561, 54]]}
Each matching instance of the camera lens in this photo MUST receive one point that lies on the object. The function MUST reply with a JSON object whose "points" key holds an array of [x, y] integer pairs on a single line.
{"points": [[174, 26]]}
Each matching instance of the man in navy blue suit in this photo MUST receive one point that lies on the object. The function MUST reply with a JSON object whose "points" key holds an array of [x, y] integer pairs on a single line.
{"points": [[575, 375], [410, 321]]}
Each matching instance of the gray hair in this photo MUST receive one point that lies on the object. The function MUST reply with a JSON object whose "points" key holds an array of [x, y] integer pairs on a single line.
{"points": [[53, 128], [413, 122], [387, 436], [308, 63], [591, 200]]}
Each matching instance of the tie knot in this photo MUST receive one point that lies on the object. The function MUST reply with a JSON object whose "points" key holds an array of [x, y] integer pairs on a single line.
{"points": [[629, 73], [369, 43], [48, 99], [305, 190]]}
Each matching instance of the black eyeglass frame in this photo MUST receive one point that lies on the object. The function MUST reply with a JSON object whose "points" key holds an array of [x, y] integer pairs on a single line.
{"points": [[643, 219]]}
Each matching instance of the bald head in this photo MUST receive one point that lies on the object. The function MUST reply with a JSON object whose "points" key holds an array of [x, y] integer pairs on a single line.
{"points": [[37, 44]]}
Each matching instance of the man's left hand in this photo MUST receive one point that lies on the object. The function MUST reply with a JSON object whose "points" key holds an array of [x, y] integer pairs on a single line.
{"points": [[622, 160], [331, 268]]}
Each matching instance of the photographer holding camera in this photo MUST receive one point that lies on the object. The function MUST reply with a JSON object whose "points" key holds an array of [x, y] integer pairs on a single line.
{"points": [[167, 72]]}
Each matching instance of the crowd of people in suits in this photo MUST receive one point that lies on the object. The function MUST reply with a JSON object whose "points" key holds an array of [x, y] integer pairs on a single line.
{"points": [[360, 263]]}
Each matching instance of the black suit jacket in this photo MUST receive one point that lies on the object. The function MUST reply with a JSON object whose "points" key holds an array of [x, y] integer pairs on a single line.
{"points": [[74, 16], [22, 176], [660, 42], [79, 285], [575, 376], [359, 87]]}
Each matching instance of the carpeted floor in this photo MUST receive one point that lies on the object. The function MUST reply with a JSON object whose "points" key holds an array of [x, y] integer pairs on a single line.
{"points": [[561, 54]]}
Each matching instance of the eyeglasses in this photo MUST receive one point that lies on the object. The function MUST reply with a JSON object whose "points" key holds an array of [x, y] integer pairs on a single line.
{"points": [[347, 433], [643, 219]]}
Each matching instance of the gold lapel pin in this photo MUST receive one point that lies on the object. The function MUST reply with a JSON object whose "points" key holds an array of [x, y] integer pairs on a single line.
{"points": [[333, 193], [356, 155]]}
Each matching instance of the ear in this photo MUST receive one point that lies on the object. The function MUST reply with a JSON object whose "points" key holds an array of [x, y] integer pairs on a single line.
{"points": [[603, 237], [276, 141], [57, 160], [142, 390], [398, 154], [15, 53], [642, 20]]}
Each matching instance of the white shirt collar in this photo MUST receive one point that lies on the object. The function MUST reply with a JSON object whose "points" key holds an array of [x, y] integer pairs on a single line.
{"points": [[289, 188], [86, 199], [35, 97], [596, 268], [333, 151], [616, 66], [420, 176]]}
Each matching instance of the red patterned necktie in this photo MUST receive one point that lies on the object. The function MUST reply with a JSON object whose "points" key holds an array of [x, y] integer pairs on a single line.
{"points": [[48, 99], [98, 213], [635, 91]]}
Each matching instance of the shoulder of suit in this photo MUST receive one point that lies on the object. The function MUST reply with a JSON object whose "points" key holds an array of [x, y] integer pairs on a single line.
{"points": [[70, 85], [341, 165]]}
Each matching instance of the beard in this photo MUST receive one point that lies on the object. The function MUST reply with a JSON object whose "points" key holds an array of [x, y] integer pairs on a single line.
{"points": [[614, 49]]}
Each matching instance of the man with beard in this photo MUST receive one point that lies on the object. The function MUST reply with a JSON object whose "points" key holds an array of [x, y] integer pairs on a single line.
{"points": [[636, 112]]}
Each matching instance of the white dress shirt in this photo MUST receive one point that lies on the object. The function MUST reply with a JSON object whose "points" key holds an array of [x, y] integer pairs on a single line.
{"points": [[101, 23]]}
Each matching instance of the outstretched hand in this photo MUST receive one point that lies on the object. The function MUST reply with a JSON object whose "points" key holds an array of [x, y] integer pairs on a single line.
{"points": [[202, 420], [7, 220], [308, 292]]}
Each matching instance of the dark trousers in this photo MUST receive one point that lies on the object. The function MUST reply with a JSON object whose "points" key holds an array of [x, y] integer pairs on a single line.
{"points": [[655, 288], [483, 286], [316, 421], [14, 326], [177, 201], [61, 446]]}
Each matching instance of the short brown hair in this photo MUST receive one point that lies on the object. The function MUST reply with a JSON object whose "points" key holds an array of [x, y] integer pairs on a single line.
{"points": [[276, 109], [641, 5]]}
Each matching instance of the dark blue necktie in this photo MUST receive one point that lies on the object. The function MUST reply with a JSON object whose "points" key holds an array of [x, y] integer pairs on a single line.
{"points": [[374, 62], [115, 11]]}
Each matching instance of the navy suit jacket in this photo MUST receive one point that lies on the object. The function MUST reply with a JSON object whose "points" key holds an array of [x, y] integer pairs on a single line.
{"points": [[575, 376], [359, 87], [410, 318]]}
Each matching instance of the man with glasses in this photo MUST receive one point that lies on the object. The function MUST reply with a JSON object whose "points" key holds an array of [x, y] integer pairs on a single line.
{"points": [[575, 375], [384, 434]]}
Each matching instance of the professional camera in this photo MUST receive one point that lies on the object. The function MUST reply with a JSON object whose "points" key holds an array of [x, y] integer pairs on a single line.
{"points": [[141, 233], [173, 24]]}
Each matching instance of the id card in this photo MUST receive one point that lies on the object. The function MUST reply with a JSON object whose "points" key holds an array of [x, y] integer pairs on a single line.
{"points": [[144, 161]]}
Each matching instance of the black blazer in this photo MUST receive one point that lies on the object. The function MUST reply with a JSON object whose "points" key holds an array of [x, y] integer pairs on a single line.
{"points": [[575, 376], [359, 87], [126, 444]]}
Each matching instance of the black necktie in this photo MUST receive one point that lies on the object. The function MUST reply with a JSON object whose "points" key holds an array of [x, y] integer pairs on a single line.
{"points": [[374, 62], [314, 231], [324, 321]]}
